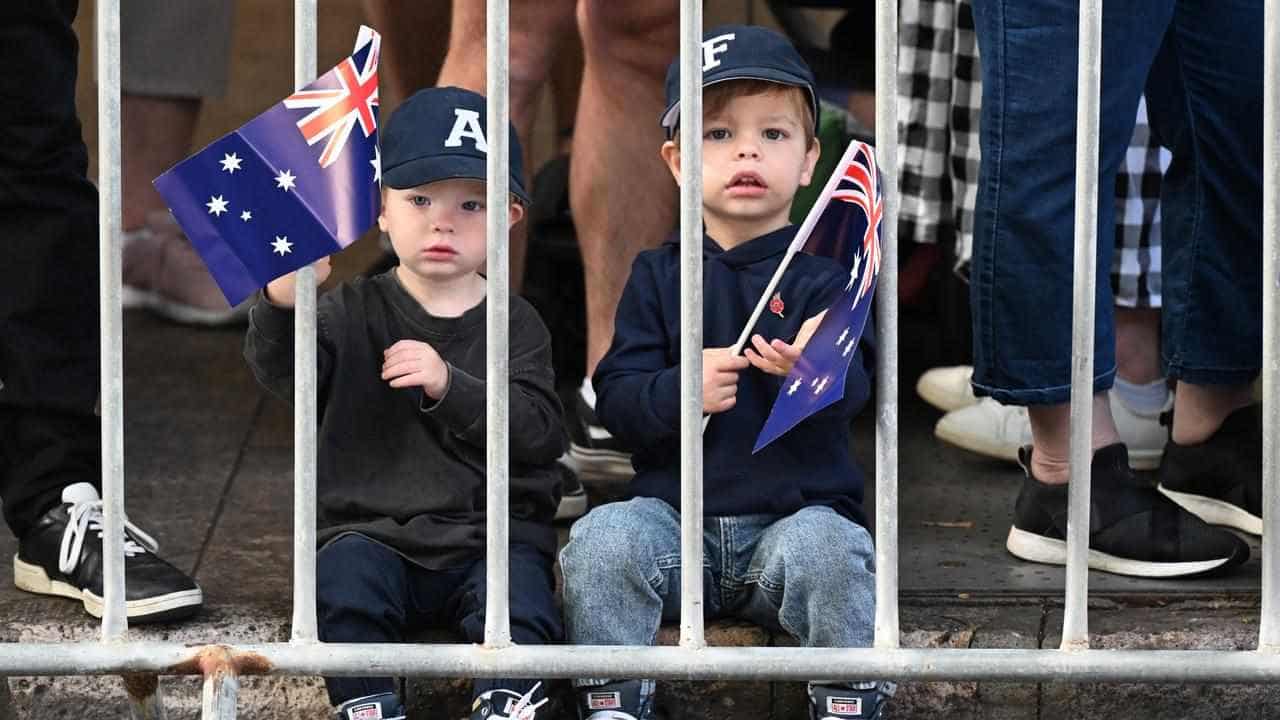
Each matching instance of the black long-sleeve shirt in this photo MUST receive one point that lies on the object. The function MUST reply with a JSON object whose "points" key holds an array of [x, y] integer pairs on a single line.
{"points": [[638, 383], [392, 463]]}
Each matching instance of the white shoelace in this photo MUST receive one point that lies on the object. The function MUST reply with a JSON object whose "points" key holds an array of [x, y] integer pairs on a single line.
{"points": [[522, 709], [84, 517]]}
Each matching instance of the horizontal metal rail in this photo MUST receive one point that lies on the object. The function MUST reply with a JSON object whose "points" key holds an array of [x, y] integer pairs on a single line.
{"points": [[720, 663]]}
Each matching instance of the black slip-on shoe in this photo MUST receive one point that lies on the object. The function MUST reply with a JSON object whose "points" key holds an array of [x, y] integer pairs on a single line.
{"points": [[1133, 529], [1220, 479]]}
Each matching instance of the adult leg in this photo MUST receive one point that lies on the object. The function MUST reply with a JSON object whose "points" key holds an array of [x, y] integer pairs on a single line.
{"points": [[622, 196], [1023, 244], [536, 29], [1203, 92], [49, 436]]}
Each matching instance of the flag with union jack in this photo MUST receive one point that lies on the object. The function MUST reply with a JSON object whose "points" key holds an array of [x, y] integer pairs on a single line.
{"points": [[297, 183], [849, 215]]}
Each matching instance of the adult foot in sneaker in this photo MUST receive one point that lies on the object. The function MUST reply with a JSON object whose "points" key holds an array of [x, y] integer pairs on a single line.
{"points": [[999, 431], [947, 388], [594, 453], [62, 555], [163, 273], [1133, 529], [1220, 479], [865, 700], [573, 497]]}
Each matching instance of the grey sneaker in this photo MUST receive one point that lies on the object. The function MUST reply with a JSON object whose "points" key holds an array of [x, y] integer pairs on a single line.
{"points": [[164, 274]]}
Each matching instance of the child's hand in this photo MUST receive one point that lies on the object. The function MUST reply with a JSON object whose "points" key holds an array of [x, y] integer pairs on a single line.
{"points": [[283, 290], [720, 379], [410, 362], [778, 357]]}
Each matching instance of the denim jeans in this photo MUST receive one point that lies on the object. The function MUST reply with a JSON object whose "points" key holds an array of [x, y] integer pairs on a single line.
{"points": [[366, 592], [811, 574], [1200, 63]]}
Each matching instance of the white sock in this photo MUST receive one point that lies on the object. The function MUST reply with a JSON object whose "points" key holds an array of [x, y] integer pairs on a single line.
{"points": [[588, 392], [1143, 398]]}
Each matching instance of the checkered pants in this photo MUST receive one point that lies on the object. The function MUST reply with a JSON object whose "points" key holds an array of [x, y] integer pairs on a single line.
{"points": [[939, 102]]}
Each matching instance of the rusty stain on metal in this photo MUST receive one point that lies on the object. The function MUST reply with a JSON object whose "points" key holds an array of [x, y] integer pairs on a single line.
{"points": [[210, 660]]}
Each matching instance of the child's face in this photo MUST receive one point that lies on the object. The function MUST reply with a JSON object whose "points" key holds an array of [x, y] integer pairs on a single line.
{"points": [[438, 229], [753, 160]]}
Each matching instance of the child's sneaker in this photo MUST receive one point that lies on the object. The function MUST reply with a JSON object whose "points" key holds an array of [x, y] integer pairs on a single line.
{"points": [[383, 706], [625, 700], [1220, 479], [867, 700], [503, 704], [594, 453], [573, 497]]}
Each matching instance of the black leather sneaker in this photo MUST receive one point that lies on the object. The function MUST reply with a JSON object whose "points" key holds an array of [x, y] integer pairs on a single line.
{"points": [[1220, 479], [867, 700], [1133, 529], [382, 706], [62, 555]]}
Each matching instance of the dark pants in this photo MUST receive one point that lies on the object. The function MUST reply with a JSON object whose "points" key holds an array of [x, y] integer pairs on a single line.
{"points": [[49, 436], [1200, 65], [366, 592]]}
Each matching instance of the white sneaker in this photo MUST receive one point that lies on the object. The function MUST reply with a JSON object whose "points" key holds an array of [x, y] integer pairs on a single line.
{"points": [[997, 431], [947, 388]]}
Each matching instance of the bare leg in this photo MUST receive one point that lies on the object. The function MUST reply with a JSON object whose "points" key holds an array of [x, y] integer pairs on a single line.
{"points": [[622, 196], [1138, 344], [158, 132], [1051, 437], [408, 64], [536, 29]]}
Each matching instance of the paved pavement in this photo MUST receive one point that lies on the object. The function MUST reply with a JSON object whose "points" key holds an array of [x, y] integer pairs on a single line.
{"points": [[208, 468]]}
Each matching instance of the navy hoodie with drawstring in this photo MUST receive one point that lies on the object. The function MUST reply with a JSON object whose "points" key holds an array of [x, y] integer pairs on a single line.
{"points": [[638, 383]]}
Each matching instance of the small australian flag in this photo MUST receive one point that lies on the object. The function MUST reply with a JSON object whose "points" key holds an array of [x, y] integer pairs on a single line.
{"points": [[297, 183]]}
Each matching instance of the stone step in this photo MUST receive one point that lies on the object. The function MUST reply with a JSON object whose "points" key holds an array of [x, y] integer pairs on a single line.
{"points": [[939, 623]]}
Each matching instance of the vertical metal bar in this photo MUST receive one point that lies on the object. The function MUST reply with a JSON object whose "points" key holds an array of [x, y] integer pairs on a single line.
{"points": [[218, 700], [144, 697], [691, 608], [887, 627], [497, 619], [1269, 631], [1075, 625], [110, 319], [304, 387]]}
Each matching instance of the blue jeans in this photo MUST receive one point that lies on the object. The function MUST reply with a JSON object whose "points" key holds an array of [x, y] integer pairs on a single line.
{"points": [[811, 574], [1200, 62], [366, 592]]}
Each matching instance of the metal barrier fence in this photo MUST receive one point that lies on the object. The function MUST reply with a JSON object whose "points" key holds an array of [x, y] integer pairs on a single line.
{"points": [[498, 657]]}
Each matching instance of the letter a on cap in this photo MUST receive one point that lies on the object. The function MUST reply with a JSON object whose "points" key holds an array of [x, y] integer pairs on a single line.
{"points": [[466, 124]]}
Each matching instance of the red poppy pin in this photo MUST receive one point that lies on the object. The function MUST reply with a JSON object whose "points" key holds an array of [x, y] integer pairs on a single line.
{"points": [[776, 306]]}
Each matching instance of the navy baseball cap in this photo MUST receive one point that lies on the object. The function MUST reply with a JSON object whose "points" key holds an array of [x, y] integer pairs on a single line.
{"points": [[439, 133], [743, 52]]}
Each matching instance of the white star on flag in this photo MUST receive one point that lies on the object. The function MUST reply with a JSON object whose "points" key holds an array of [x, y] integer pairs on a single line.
{"points": [[794, 386], [818, 390], [847, 349], [376, 162], [284, 180], [282, 245], [230, 163], [246, 216], [843, 334], [216, 205]]}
